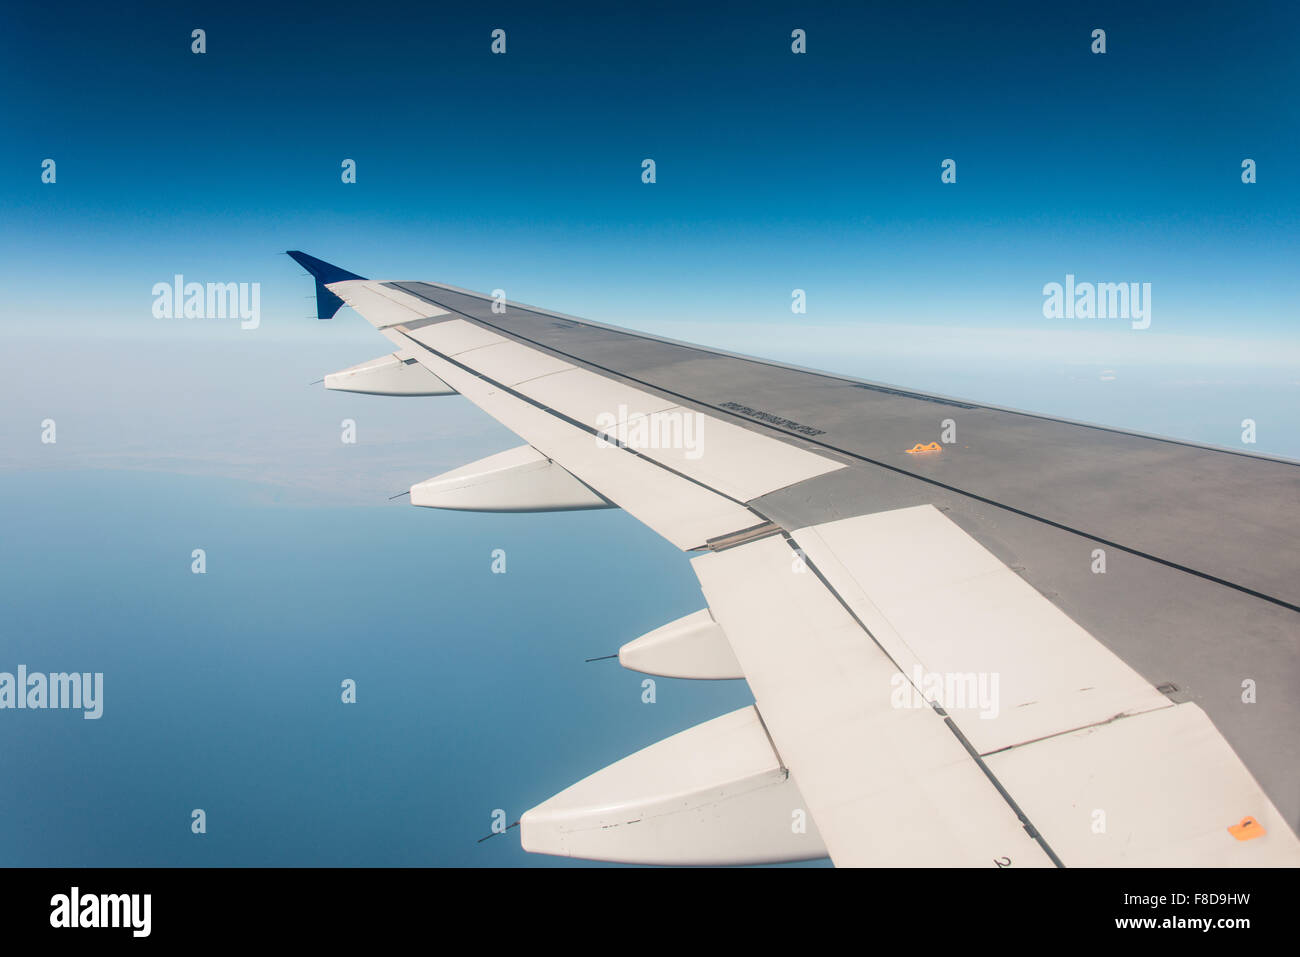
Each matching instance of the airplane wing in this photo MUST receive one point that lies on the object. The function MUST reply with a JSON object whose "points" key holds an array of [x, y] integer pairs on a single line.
{"points": [[974, 636]]}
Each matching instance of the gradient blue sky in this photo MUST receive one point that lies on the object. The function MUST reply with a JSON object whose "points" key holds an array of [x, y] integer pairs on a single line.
{"points": [[775, 171], [522, 172]]}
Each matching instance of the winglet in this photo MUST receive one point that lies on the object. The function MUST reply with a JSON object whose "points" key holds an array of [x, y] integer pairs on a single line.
{"points": [[327, 304]]}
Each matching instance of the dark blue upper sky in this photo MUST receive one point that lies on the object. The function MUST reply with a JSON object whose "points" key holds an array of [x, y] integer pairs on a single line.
{"points": [[775, 171]]}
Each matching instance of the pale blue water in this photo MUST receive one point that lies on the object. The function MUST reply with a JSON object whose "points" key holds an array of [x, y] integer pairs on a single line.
{"points": [[222, 691]]}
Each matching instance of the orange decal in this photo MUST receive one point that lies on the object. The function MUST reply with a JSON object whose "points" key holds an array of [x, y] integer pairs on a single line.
{"points": [[1247, 829], [932, 447]]}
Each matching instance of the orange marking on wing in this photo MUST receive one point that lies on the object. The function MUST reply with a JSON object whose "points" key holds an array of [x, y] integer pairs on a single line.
{"points": [[1248, 828]]}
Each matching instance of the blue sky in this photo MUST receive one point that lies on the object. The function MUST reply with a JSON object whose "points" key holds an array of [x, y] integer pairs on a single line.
{"points": [[774, 172]]}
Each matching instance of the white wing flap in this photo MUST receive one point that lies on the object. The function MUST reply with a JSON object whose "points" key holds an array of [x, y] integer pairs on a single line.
{"points": [[734, 460], [511, 363], [586, 397], [1161, 789], [454, 336], [887, 787], [949, 611]]}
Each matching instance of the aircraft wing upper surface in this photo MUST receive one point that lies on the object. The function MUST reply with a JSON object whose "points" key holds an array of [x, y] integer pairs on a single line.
{"points": [[1040, 643]]}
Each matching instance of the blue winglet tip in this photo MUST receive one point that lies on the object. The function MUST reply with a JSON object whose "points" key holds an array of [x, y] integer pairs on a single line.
{"points": [[327, 304]]}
